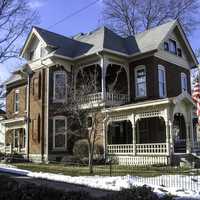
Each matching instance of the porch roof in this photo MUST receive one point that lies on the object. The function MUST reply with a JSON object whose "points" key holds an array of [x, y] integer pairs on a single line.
{"points": [[185, 97], [139, 105], [13, 120]]}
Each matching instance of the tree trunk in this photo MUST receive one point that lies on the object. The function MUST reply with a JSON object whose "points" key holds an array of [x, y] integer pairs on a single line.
{"points": [[90, 163]]}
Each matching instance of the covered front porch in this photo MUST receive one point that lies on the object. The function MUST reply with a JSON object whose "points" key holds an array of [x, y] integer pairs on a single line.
{"points": [[150, 132], [15, 136]]}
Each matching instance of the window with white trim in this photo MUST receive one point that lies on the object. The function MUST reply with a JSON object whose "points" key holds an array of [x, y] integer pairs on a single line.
{"points": [[60, 91], [183, 82], [16, 138], [162, 81], [16, 101], [60, 133], [140, 81]]}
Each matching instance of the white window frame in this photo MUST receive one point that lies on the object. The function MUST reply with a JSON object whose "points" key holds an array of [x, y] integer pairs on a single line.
{"points": [[184, 79], [55, 134], [162, 68], [54, 86], [141, 67], [16, 103]]}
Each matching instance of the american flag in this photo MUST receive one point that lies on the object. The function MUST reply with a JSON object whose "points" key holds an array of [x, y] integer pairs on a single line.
{"points": [[196, 98]]}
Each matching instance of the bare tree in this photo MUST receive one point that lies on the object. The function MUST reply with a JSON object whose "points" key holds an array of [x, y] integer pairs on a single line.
{"points": [[81, 104], [128, 17], [2, 96], [16, 19]]}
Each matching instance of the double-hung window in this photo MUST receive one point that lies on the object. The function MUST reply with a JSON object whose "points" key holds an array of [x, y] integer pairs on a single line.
{"points": [[16, 101], [60, 133], [162, 81], [172, 46], [184, 82], [16, 138], [60, 88], [140, 81]]}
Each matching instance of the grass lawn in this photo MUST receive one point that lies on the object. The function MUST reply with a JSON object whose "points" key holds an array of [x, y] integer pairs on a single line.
{"points": [[104, 170]]}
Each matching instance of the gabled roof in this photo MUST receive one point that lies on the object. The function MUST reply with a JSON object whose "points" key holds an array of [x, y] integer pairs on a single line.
{"points": [[152, 38], [103, 39]]}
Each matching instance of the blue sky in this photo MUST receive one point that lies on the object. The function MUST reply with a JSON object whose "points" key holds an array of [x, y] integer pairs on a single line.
{"points": [[52, 11]]}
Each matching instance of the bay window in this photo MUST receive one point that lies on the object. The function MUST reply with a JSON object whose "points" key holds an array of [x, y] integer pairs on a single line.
{"points": [[140, 81]]}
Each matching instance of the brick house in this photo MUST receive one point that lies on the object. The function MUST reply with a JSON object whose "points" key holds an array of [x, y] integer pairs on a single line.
{"points": [[149, 116]]}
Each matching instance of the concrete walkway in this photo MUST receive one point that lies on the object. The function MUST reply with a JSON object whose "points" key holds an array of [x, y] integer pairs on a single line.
{"points": [[58, 185]]}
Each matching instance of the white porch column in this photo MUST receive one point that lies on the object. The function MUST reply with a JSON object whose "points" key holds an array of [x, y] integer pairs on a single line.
{"points": [[171, 140], [188, 138], [167, 137], [134, 133], [104, 65]]}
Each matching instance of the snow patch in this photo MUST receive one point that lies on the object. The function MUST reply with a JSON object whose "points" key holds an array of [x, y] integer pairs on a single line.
{"points": [[118, 183]]}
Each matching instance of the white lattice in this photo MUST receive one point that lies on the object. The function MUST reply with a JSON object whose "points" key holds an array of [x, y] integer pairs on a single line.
{"points": [[141, 160]]}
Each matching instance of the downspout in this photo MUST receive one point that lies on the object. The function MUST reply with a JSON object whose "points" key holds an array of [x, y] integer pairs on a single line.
{"points": [[28, 116]]}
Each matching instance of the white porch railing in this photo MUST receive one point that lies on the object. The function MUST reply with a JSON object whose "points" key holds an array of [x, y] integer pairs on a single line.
{"points": [[109, 97], [91, 98], [141, 149], [153, 148], [113, 97], [120, 149], [8, 149]]}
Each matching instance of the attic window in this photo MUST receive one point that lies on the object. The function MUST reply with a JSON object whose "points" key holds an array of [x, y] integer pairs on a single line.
{"points": [[179, 52], [172, 46], [166, 46]]}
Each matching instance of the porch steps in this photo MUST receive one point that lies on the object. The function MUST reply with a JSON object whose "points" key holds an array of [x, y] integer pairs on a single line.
{"points": [[187, 160]]}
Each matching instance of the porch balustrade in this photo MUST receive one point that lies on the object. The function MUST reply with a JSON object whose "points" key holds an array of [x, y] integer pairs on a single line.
{"points": [[120, 149], [109, 97], [153, 148], [141, 149]]}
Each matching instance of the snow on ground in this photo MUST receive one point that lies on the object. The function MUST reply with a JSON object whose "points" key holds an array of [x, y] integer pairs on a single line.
{"points": [[173, 184]]}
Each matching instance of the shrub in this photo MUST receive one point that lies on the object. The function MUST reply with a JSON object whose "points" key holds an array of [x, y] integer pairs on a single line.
{"points": [[80, 149], [136, 193]]}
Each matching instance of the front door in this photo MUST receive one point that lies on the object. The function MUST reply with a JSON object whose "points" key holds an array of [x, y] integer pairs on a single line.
{"points": [[179, 132]]}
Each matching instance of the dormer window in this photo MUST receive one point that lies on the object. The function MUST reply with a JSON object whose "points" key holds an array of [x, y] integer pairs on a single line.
{"points": [[172, 46]]}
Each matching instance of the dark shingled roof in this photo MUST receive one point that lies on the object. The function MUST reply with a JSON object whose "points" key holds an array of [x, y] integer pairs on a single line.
{"points": [[105, 39]]}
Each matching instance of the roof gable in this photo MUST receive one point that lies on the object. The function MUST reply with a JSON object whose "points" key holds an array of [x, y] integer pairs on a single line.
{"points": [[177, 29]]}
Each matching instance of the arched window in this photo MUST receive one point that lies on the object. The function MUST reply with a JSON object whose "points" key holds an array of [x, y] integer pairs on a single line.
{"points": [[140, 81], [162, 81]]}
